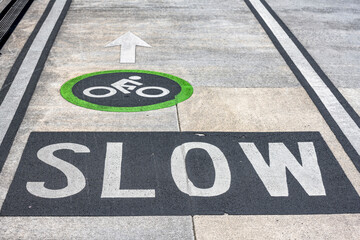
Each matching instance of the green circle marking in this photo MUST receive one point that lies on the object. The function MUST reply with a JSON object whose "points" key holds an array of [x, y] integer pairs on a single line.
{"points": [[185, 93]]}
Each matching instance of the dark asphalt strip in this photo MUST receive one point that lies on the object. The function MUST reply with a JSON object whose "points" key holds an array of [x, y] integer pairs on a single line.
{"points": [[10, 18]]}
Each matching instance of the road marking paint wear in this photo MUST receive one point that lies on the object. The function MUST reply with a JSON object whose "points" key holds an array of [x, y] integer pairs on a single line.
{"points": [[23, 77], [348, 126]]}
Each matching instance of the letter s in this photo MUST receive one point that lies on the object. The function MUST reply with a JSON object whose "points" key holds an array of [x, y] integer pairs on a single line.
{"points": [[75, 179]]}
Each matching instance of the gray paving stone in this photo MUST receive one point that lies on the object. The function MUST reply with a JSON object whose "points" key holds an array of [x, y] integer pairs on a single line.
{"points": [[352, 95], [260, 110], [330, 31], [205, 42], [278, 227], [96, 228]]}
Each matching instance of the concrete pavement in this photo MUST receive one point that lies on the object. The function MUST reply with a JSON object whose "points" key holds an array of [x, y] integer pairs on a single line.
{"points": [[241, 83]]}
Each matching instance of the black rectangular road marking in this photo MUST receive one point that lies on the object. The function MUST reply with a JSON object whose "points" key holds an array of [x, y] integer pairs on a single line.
{"points": [[178, 173]]}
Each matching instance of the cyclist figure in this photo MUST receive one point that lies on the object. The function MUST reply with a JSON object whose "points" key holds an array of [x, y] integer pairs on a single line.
{"points": [[124, 87], [121, 84]]}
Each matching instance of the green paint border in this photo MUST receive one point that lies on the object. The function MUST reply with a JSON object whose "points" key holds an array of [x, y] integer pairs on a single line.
{"points": [[185, 93]]}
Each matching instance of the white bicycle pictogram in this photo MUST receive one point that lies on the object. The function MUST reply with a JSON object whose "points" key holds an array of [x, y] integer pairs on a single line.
{"points": [[122, 86]]}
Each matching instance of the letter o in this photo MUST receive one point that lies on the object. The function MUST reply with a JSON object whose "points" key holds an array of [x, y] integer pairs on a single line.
{"points": [[222, 180]]}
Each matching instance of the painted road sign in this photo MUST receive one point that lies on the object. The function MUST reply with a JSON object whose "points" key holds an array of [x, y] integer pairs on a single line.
{"points": [[128, 43], [178, 173], [126, 90]]}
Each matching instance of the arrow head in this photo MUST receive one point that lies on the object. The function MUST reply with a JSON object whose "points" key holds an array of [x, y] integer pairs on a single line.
{"points": [[128, 38]]}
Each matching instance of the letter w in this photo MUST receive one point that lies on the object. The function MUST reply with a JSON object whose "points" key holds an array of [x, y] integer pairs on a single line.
{"points": [[274, 176]]}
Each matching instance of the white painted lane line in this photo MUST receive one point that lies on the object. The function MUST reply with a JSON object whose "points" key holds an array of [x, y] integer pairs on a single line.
{"points": [[19, 85], [336, 110]]}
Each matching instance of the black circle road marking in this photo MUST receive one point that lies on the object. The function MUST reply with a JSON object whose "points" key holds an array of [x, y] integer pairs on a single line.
{"points": [[126, 90]]}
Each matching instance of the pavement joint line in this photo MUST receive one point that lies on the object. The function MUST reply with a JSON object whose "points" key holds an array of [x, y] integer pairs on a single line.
{"points": [[23, 77], [337, 112], [193, 227], [178, 117]]}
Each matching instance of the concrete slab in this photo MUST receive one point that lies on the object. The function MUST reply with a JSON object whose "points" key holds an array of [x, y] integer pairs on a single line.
{"points": [[277, 227], [241, 84], [48, 111], [205, 43], [330, 31], [96, 228], [260, 110], [45, 117], [352, 95], [281, 109]]}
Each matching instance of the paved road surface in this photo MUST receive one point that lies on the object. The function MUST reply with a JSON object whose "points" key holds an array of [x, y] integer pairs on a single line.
{"points": [[261, 141]]}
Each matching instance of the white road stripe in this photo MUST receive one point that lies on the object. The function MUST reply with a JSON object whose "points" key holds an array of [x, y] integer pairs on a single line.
{"points": [[336, 110], [18, 87]]}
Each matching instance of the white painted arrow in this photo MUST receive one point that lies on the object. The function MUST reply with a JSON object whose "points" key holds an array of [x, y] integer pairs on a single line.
{"points": [[128, 43]]}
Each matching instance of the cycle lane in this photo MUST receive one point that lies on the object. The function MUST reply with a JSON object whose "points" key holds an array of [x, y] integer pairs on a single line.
{"points": [[221, 101]]}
